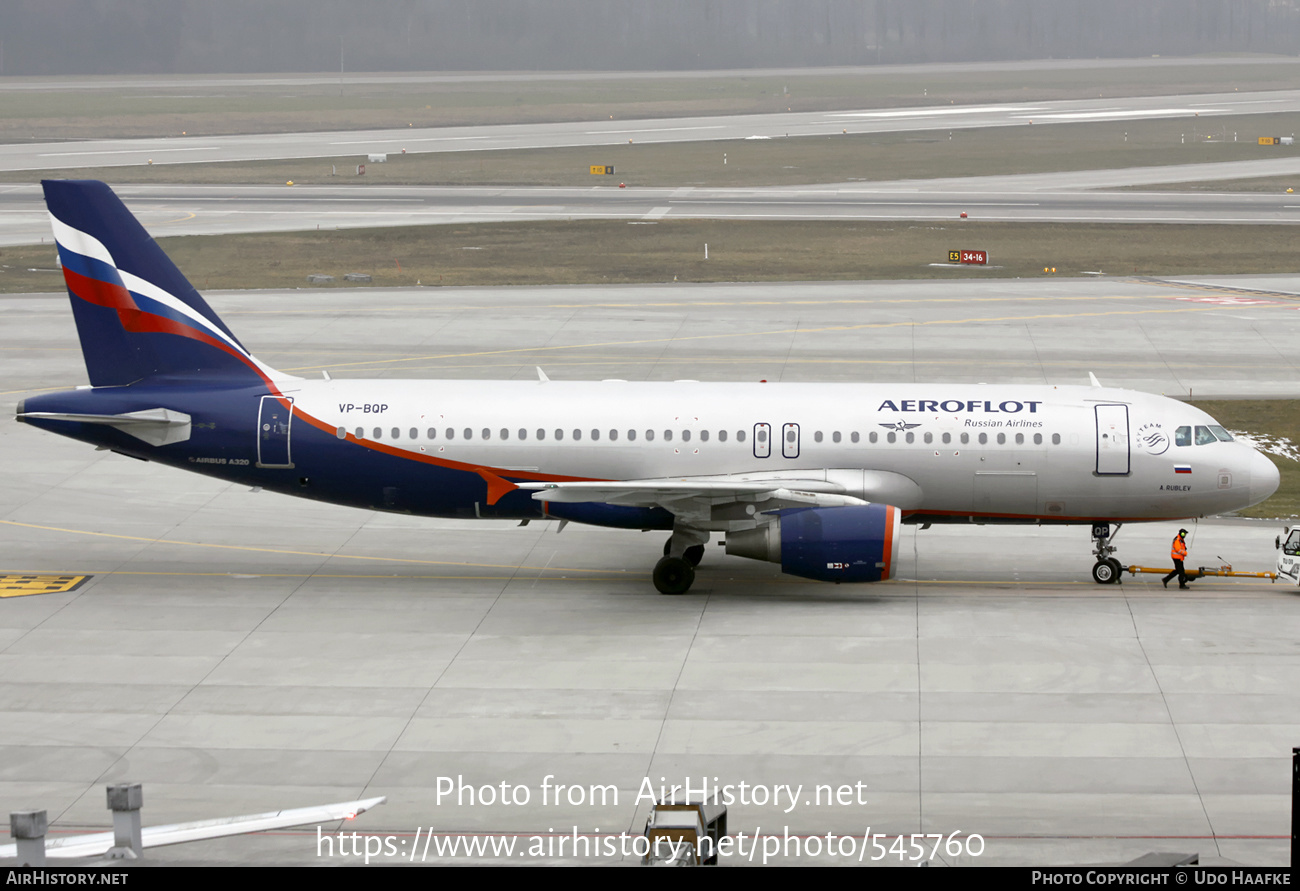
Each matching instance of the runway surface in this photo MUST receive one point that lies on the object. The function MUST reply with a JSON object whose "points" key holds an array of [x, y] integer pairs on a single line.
{"points": [[1062, 197], [241, 652], [189, 150]]}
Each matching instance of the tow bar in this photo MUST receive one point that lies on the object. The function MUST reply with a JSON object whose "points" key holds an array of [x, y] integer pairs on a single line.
{"points": [[1202, 571]]}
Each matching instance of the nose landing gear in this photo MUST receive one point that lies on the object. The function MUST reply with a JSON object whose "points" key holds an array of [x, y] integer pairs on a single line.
{"points": [[1107, 570]]}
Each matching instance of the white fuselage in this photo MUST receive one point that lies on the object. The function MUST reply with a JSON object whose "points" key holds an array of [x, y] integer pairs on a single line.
{"points": [[996, 451]]}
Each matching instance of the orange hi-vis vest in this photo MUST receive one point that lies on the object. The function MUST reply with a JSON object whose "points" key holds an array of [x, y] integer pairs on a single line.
{"points": [[1179, 549]]}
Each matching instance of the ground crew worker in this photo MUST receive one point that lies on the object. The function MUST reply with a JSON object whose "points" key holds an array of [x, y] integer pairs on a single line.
{"points": [[1178, 551]]}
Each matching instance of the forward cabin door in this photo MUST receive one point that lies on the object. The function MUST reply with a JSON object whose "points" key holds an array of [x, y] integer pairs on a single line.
{"points": [[1112, 440], [274, 418]]}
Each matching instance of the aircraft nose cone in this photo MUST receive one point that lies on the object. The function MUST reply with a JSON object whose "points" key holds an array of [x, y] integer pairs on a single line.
{"points": [[1264, 478]]}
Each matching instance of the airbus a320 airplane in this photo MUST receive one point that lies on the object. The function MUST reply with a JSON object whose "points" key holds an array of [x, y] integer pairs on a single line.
{"points": [[815, 477]]}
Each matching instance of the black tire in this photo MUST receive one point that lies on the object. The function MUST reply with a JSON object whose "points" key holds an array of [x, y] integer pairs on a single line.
{"points": [[1119, 570], [673, 575], [694, 554], [668, 546], [1104, 572]]}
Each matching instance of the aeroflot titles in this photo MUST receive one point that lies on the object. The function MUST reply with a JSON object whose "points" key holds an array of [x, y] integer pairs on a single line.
{"points": [[951, 406]]}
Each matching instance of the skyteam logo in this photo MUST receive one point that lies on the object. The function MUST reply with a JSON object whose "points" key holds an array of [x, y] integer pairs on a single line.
{"points": [[1153, 439]]}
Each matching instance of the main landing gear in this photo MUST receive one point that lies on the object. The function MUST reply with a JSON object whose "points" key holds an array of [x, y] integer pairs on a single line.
{"points": [[675, 572], [1107, 570]]}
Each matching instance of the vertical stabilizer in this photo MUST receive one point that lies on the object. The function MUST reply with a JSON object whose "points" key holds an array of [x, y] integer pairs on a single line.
{"points": [[137, 315]]}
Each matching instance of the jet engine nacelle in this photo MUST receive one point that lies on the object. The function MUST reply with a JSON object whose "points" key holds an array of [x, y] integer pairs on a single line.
{"points": [[855, 543]]}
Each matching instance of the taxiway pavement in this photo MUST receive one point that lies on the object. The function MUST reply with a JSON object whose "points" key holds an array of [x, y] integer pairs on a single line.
{"points": [[240, 652], [1060, 197], [260, 146]]}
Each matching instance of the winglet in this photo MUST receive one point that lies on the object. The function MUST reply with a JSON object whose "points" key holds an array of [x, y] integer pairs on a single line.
{"points": [[541, 375], [1092, 377], [497, 488]]}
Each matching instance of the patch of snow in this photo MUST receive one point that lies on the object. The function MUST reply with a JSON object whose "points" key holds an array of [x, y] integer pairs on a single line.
{"points": [[1265, 442]]}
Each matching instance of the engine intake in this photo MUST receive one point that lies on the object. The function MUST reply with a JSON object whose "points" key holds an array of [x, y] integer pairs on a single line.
{"points": [[855, 543]]}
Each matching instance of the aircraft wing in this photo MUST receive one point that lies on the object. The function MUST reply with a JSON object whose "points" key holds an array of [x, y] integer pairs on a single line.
{"points": [[735, 502]]}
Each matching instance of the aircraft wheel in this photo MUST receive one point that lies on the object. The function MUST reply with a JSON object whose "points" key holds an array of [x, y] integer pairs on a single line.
{"points": [[1104, 572], [694, 554], [1119, 570], [673, 575], [668, 546]]}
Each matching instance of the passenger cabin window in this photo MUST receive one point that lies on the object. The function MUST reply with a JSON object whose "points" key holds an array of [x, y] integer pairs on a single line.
{"points": [[740, 436], [704, 436], [415, 434], [433, 432], [650, 436], [523, 434], [929, 438], [686, 436], [835, 437], [559, 434], [631, 436], [613, 436], [379, 433], [360, 433], [541, 434], [911, 437], [965, 438], [469, 434], [1204, 436], [1038, 439], [397, 434], [505, 434], [1056, 439], [668, 436], [341, 433], [577, 434], [891, 436], [984, 438], [854, 437], [451, 434], [947, 438], [873, 436], [817, 437], [1183, 436], [722, 436]]}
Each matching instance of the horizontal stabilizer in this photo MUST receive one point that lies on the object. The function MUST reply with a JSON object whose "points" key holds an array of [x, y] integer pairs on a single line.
{"points": [[156, 426]]}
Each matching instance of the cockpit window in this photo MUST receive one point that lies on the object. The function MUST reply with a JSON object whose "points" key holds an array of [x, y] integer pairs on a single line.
{"points": [[1204, 436], [1183, 436], [1223, 435]]}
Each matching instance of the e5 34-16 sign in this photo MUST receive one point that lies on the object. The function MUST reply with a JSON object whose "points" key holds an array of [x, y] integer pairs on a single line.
{"points": [[980, 258]]}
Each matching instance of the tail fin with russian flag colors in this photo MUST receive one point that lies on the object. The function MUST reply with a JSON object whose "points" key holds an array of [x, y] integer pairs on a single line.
{"points": [[136, 314]]}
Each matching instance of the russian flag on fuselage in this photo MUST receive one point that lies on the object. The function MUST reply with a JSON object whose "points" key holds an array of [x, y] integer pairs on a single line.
{"points": [[137, 315]]}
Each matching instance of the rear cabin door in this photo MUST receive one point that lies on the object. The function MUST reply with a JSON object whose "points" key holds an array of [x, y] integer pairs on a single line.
{"points": [[1112, 440], [274, 418]]}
